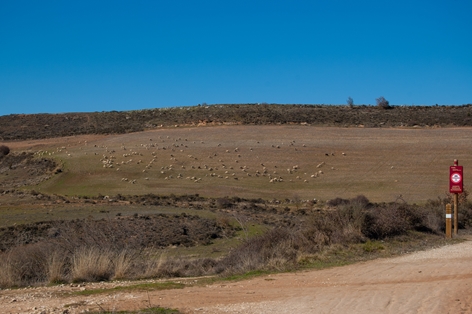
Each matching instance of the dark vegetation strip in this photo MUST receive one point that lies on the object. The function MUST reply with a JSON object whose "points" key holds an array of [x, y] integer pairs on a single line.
{"points": [[22, 126]]}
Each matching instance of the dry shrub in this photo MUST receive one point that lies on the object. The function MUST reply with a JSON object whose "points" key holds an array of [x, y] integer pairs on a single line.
{"points": [[224, 202], [262, 251], [152, 263], [185, 267], [123, 263], [91, 264], [396, 219], [344, 224], [4, 150], [57, 265], [461, 198], [428, 219], [7, 274], [337, 201], [26, 265], [465, 215], [385, 222]]}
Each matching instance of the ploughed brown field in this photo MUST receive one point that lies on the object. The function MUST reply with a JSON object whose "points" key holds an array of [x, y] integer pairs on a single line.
{"points": [[267, 162]]}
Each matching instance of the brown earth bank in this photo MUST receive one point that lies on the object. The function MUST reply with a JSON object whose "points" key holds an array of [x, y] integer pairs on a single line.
{"points": [[434, 281], [34, 126]]}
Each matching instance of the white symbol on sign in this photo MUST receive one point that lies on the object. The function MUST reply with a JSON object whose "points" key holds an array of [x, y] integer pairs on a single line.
{"points": [[456, 178]]}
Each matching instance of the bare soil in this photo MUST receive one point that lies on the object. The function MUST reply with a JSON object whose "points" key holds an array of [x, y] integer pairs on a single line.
{"points": [[433, 281]]}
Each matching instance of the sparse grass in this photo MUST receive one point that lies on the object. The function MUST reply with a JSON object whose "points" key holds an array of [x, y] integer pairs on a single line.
{"points": [[136, 287], [151, 310], [30, 213]]}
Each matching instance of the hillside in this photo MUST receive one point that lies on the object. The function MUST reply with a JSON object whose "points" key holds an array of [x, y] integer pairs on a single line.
{"points": [[22, 127]]}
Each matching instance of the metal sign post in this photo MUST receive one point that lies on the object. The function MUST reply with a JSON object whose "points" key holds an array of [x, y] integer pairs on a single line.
{"points": [[456, 186]]}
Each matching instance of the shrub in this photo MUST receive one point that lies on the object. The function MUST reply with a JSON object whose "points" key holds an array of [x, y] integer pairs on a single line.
{"points": [[383, 103], [337, 201], [223, 203], [465, 216], [57, 264], [24, 265], [274, 249], [91, 264], [359, 200], [385, 222], [4, 150], [350, 102]]}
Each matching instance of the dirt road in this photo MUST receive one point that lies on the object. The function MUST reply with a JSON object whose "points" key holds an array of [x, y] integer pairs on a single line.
{"points": [[434, 281]]}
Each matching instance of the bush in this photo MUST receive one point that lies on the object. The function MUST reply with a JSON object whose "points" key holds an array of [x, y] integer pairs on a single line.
{"points": [[350, 102], [4, 150], [91, 264], [359, 200], [383, 103], [275, 249], [337, 201], [385, 222]]}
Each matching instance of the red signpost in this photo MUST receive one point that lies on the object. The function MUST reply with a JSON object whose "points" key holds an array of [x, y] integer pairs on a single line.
{"points": [[456, 186], [456, 179]]}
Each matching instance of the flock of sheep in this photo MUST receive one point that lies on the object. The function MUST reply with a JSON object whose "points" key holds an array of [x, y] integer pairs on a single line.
{"points": [[167, 158]]}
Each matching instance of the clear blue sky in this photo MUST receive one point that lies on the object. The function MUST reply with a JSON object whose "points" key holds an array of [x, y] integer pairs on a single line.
{"points": [[76, 56]]}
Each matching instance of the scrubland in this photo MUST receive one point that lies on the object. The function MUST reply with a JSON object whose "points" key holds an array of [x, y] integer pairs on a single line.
{"points": [[221, 200]]}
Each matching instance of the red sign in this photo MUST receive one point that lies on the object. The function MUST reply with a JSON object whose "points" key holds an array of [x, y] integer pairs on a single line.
{"points": [[456, 179]]}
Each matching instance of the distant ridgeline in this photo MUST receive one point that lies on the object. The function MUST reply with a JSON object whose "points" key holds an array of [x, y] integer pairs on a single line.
{"points": [[34, 126]]}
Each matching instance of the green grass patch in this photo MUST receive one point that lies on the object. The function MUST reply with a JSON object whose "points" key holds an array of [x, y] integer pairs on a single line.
{"points": [[373, 246]]}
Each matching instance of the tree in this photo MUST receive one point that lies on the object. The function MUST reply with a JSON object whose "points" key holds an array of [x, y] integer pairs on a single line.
{"points": [[350, 101], [382, 102]]}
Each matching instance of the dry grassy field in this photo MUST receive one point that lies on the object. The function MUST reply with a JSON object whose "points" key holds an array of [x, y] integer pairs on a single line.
{"points": [[269, 162], [90, 208]]}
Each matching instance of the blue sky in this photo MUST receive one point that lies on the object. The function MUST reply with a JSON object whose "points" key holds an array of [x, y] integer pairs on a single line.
{"points": [[76, 56]]}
